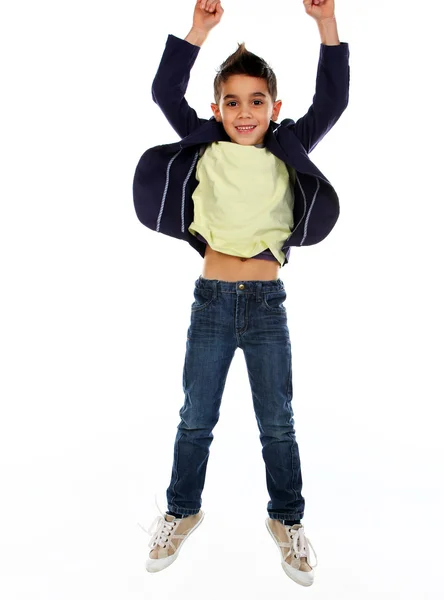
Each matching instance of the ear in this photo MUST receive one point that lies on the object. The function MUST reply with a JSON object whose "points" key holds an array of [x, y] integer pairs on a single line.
{"points": [[276, 109], [216, 112]]}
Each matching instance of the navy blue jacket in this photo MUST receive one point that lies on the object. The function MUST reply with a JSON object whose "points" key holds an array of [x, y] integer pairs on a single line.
{"points": [[164, 180]]}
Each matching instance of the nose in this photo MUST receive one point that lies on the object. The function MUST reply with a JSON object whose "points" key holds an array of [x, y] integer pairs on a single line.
{"points": [[245, 111]]}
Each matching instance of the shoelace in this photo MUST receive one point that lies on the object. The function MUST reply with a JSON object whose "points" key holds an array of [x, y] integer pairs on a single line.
{"points": [[299, 545], [159, 530]]}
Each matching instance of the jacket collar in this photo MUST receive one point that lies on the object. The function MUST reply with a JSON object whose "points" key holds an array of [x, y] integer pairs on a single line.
{"points": [[210, 131], [213, 131]]}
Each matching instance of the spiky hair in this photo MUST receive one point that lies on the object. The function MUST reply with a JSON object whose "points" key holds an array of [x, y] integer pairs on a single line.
{"points": [[244, 62]]}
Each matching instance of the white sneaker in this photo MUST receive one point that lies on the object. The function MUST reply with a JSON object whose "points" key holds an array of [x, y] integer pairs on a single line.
{"points": [[168, 536], [296, 561]]}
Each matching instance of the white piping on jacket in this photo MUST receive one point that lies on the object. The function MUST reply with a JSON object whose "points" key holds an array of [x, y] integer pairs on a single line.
{"points": [[196, 156], [166, 189], [305, 205], [309, 211]]}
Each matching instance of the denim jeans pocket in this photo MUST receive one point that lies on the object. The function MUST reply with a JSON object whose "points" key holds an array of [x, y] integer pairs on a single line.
{"points": [[273, 301], [202, 298]]}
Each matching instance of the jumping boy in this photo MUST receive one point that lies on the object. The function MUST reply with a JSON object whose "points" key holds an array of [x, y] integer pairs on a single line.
{"points": [[241, 190]]}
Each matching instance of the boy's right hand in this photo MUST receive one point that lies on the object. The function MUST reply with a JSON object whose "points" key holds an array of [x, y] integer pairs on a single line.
{"points": [[207, 14]]}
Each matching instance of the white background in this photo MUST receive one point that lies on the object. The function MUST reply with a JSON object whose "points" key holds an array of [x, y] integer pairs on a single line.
{"points": [[95, 309]]}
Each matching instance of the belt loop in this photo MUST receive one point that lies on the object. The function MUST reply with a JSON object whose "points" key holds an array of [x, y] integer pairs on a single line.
{"points": [[214, 284], [258, 291]]}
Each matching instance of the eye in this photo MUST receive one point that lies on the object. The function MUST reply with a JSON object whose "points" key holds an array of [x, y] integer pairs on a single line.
{"points": [[234, 102]]}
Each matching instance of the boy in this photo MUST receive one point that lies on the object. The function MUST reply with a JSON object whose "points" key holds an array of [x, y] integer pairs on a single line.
{"points": [[241, 190]]}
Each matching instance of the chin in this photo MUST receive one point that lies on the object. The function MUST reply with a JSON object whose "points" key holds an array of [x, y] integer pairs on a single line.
{"points": [[246, 140]]}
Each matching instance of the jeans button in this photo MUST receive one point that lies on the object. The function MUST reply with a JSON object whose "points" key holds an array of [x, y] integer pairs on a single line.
{"points": [[241, 286]]}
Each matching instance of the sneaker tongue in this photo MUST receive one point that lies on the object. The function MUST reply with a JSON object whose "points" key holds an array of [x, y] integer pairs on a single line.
{"points": [[169, 517]]}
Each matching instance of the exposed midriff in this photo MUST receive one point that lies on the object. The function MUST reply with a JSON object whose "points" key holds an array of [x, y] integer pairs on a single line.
{"points": [[225, 267]]}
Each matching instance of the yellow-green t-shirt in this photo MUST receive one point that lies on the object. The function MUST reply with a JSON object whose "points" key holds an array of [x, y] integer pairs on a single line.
{"points": [[243, 202]]}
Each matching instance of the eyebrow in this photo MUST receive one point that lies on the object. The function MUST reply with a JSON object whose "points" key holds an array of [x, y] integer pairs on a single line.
{"points": [[252, 94]]}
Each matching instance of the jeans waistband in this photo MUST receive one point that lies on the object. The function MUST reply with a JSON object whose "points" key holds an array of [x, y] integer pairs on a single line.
{"points": [[240, 287]]}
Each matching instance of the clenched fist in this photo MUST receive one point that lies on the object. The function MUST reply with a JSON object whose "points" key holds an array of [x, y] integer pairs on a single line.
{"points": [[207, 14]]}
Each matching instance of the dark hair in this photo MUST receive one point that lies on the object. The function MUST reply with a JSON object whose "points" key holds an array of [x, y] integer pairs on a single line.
{"points": [[243, 62]]}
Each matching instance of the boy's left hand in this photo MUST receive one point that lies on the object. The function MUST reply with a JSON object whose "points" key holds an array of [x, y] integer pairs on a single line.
{"points": [[320, 9]]}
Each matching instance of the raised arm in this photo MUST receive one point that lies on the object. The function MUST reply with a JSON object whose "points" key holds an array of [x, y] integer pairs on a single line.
{"points": [[173, 74], [332, 81]]}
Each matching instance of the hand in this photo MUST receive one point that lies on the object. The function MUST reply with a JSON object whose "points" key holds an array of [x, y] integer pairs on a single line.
{"points": [[207, 14], [320, 9]]}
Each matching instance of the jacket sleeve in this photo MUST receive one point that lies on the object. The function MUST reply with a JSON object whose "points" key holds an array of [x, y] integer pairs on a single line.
{"points": [[170, 84], [330, 99]]}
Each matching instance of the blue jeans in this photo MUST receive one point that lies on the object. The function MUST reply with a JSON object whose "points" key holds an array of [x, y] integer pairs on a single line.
{"points": [[224, 316]]}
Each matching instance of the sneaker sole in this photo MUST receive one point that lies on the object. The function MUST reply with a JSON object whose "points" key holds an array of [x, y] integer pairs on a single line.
{"points": [[304, 578], [154, 565]]}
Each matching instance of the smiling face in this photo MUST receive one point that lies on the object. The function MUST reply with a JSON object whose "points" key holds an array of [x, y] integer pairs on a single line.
{"points": [[245, 101]]}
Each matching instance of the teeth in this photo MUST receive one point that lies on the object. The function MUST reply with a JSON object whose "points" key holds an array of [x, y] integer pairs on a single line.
{"points": [[245, 128]]}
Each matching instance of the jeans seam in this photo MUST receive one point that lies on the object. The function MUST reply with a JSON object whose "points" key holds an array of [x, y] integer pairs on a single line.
{"points": [[176, 471]]}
